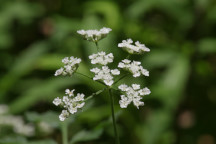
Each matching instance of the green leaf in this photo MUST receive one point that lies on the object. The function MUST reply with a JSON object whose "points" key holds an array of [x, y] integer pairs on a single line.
{"points": [[169, 91], [49, 117], [207, 45], [85, 135], [42, 142], [159, 58], [13, 140], [23, 65], [107, 8], [45, 91]]}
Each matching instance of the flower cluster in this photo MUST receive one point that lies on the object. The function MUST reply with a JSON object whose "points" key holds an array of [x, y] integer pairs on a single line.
{"points": [[132, 94], [3, 109], [71, 65], [134, 67], [128, 46], [70, 103], [94, 35], [16, 122], [105, 74], [101, 58]]}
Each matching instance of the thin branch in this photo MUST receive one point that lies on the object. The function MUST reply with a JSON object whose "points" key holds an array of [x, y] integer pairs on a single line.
{"points": [[120, 78], [113, 117], [96, 93]]}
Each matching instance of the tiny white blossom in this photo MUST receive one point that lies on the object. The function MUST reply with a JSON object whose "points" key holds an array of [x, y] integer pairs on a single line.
{"points": [[71, 65], [134, 67], [128, 46], [123, 87], [15, 122], [70, 93], [126, 61], [71, 103], [95, 70], [79, 97], [101, 58], [59, 72], [105, 74], [57, 101], [94, 35], [144, 91], [115, 72], [124, 102], [63, 115], [132, 94], [65, 60], [80, 105], [121, 65], [28, 129], [135, 86], [72, 110]]}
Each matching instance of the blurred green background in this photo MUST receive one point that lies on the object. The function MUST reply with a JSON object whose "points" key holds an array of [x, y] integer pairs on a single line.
{"points": [[36, 34]]}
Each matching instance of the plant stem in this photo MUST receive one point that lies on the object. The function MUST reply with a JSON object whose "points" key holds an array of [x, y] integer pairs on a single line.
{"points": [[89, 77], [96, 93], [120, 78], [83, 75], [128, 56], [64, 132], [113, 117], [96, 43]]}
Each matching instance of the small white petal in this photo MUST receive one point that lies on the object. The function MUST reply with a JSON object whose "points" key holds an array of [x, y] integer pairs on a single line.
{"points": [[57, 101], [115, 72], [135, 86]]}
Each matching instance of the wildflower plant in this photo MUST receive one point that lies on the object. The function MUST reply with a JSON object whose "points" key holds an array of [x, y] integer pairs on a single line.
{"points": [[72, 103]]}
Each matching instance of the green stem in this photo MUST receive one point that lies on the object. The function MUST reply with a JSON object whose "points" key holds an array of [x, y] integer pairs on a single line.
{"points": [[96, 43], [83, 75], [89, 77], [64, 132], [120, 78], [96, 93], [128, 56], [113, 117]]}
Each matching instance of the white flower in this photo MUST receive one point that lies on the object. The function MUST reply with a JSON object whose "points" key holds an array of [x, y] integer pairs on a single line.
{"points": [[27, 129], [128, 46], [132, 94], [101, 58], [16, 123], [124, 102], [115, 72], [57, 101], [70, 93], [63, 115], [71, 65], [105, 74], [95, 70], [65, 60], [71, 103], [121, 65], [123, 87], [59, 72], [94, 35], [144, 91], [4, 109], [135, 86], [79, 97], [72, 110], [134, 67]]}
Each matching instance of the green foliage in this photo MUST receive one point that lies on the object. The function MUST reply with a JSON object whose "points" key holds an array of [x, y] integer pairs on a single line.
{"points": [[36, 35]]}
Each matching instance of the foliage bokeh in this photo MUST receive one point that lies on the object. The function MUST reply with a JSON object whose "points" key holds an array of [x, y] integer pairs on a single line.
{"points": [[36, 35]]}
